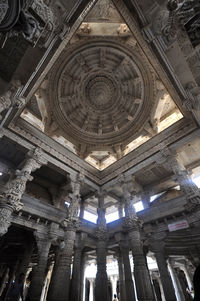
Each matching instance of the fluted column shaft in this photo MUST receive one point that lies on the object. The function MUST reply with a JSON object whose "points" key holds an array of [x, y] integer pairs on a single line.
{"points": [[128, 275], [39, 273]]}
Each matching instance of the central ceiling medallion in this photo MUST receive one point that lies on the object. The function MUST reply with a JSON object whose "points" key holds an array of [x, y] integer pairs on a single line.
{"points": [[100, 94]]}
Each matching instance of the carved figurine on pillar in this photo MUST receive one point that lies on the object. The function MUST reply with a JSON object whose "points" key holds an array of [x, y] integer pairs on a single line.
{"points": [[10, 198]]}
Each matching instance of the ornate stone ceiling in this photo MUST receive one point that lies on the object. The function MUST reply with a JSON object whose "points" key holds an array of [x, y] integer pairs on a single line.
{"points": [[100, 94], [102, 98]]}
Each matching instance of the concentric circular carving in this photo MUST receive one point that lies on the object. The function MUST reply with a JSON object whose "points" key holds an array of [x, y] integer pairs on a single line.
{"points": [[100, 93]]}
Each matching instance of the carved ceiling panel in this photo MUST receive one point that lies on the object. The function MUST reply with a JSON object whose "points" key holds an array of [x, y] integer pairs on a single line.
{"points": [[100, 94]]}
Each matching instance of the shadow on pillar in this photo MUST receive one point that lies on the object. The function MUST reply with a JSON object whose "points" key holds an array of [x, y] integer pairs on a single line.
{"points": [[157, 290]]}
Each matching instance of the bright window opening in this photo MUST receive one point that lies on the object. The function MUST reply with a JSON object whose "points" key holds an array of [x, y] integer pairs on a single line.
{"points": [[112, 217], [90, 217], [1, 174], [197, 181], [139, 206], [154, 197]]}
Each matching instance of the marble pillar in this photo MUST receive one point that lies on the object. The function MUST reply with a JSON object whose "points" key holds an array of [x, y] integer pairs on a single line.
{"points": [[101, 284], [59, 288], [12, 272], [166, 280], [76, 275], [40, 271], [24, 264], [3, 280], [91, 294], [177, 286], [145, 200], [161, 289], [129, 285], [82, 209], [60, 282], [122, 290], [141, 273], [187, 276], [120, 210]]}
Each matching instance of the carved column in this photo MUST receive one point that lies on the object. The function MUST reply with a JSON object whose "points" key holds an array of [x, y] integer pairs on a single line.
{"points": [[120, 210], [168, 288], [127, 272], [10, 199], [60, 282], [145, 200], [3, 280], [24, 264], [132, 226], [82, 280], [101, 285], [76, 275], [82, 209], [39, 273], [12, 272], [141, 273], [122, 290], [177, 286], [187, 275]]}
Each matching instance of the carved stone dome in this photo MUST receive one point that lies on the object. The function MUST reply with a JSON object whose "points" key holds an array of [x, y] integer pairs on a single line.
{"points": [[100, 93]]}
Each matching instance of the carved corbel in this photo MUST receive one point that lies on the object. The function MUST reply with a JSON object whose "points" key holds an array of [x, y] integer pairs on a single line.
{"points": [[11, 197], [10, 97]]}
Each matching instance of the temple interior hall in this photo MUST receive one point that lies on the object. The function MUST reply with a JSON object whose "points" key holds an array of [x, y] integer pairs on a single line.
{"points": [[99, 150]]}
